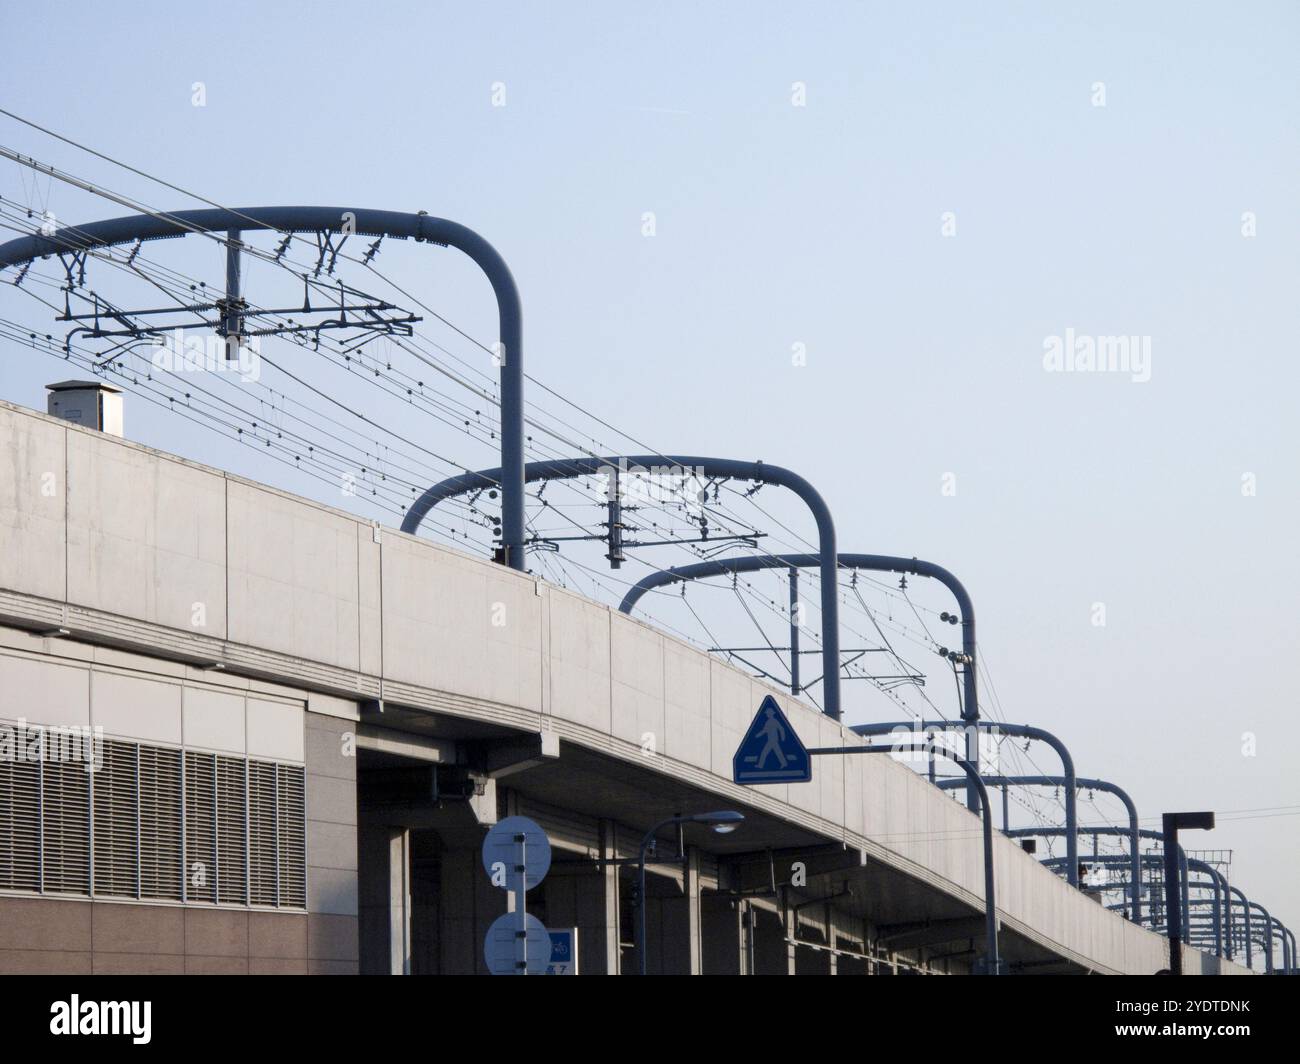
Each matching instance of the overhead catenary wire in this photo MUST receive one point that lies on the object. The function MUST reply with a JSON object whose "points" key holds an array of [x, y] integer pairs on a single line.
{"points": [[90, 187], [412, 345]]}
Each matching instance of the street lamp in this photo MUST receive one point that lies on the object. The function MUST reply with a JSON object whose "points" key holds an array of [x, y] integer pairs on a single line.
{"points": [[723, 822], [1173, 903]]}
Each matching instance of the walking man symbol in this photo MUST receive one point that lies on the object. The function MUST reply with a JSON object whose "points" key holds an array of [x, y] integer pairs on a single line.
{"points": [[770, 751], [775, 736]]}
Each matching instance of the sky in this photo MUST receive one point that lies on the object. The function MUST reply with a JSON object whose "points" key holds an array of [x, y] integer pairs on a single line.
{"points": [[870, 224]]}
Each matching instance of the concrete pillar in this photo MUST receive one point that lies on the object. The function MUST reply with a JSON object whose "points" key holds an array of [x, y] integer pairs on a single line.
{"points": [[791, 919], [469, 905], [399, 901], [723, 938], [694, 918], [372, 900], [600, 946], [804, 961], [333, 889], [770, 954], [667, 933], [384, 892], [575, 897], [748, 962]]}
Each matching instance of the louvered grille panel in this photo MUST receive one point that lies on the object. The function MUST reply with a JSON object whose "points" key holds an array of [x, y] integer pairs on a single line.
{"points": [[160, 823], [291, 802], [19, 824], [153, 822], [232, 867], [65, 827], [200, 827], [261, 833], [116, 821]]}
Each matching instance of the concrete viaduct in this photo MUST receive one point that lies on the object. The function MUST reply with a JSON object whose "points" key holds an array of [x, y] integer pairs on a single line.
{"points": [[421, 695]]}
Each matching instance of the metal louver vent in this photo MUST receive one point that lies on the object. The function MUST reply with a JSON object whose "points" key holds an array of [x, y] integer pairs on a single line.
{"points": [[291, 817], [65, 827], [232, 830], [261, 833], [200, 827], [160, 823], [117, 837], [20, 805], [155, 823]]}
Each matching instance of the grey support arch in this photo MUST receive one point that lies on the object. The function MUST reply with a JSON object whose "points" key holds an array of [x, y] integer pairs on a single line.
{"points": [[881, 563], [1155, 860], [1024, 731], [993, 961], [401, 226], [569, 468], [1222, 909], [1135, 858], [1145, 833], [1274, 926], [1267, 936], [1194, 930], [1245, 910]]}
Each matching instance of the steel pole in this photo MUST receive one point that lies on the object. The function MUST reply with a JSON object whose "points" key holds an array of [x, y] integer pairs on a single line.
{"points": [[1025, 731], [421, 227], [1245, 912], [992, 959], [884, 563], [569, 468], [233, 322], [794, 631], [1135, 863]]}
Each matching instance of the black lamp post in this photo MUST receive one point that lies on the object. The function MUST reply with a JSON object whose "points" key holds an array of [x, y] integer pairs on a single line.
{"points": [[722, 822], [1173, 899]]}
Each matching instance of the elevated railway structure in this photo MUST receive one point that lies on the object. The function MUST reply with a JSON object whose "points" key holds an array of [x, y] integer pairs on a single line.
{"points": [[308, 721]]}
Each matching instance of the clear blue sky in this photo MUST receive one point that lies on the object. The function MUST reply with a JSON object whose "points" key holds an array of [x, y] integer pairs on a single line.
{"points": [[821, 225]]}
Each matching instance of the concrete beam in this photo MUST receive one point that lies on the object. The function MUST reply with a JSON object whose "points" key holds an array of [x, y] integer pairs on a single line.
{"points": [[506, 757], [755, 869], [929, 932], [405, 744]]}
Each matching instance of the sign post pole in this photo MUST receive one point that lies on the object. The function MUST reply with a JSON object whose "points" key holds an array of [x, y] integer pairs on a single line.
{"points": [[521, 910], [771, 752], [516, 857]]}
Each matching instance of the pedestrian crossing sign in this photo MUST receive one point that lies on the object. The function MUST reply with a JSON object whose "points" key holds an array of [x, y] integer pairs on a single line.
{"points": [[771, 752]]}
